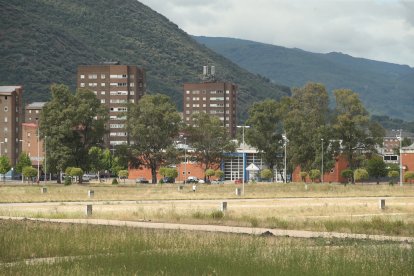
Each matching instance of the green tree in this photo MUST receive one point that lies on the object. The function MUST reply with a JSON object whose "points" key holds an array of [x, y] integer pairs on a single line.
{"points": [[209, 139], [23, 161], [209, 173], [358, 135], [163, 171], [408, 176], [172, 173], [314, 174], [265, 132], [123, 174], [393, 175], [29, 172], [97, 162], [4, 166], [73, 124], [266, 174], [360, 174], [303, 176], [307, 126], [152, 123], [76, 172], [376, 168], [219, 174], [348, 174]]}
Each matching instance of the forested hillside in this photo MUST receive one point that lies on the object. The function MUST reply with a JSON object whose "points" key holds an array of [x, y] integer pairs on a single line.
{"points": [[43, 42], [385, 88]]}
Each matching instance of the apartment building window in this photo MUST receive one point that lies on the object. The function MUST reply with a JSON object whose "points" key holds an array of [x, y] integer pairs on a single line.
{"points": [[103, 76], [28, 134], [94, 92], [6, 109], [195, 92], [132, 84], [5, 119], [114, 93], [82, 76], [5, 140], [132, 93], [196, 98], [187, 98], [132, 101], [82, 84], [187, 112], [102, 92], [92, 76], [116, 125], [102, 84], [30, 111], [196, 105], [118, 76], [93, 84], [187, 105], [187, 92], [204, 105], [37, 111], [102, 100], [204, 98], [227, 92], [5, 129]]}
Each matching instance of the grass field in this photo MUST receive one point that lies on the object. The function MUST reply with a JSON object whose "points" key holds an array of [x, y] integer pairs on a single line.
{"points": [[34, 248], [332, 208], [31, 193]]}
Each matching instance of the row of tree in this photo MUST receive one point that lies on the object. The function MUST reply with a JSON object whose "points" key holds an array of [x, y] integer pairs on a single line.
{"points": [[311, 130]]}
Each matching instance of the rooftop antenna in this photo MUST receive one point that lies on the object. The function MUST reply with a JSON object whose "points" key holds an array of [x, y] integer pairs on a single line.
{"points": [[209, 73]]}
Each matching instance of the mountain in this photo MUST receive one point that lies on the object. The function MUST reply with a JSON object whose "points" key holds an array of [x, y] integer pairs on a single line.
{"points": [[385, 88], [43, 42]]}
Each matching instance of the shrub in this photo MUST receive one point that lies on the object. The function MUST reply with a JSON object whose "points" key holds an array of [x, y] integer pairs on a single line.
{"points": [[114, 181], [209, 173], [377, 168], [303, 176], [68, 180], [360, 174], [314, 174], [393, 175], [219, 174], [266, 174], [348, 174], [409, 176], [29, 172]]}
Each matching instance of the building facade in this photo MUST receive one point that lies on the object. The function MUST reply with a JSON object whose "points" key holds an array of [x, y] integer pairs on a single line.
{"points": [[214, 98], [11, 116], [31, 144], [114, 85], [32, 112]]}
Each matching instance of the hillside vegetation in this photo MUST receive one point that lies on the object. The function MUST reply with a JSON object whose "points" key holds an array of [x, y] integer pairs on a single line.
{"points": [[385, 88], [43, 42]]}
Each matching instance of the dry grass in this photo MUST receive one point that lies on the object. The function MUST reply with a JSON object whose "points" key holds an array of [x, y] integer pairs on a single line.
{"points": [[31, 193]]}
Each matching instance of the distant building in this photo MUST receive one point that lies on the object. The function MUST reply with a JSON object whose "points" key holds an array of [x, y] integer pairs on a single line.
{"points": [[11, 117], [114, 85], [212, 97], [31, 145], [32, 112]]}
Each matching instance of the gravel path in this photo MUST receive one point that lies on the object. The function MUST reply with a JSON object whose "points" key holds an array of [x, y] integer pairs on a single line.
{"points": [[223, 229]]}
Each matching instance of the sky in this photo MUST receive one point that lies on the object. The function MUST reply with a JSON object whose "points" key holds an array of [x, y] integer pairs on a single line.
{"points": [[375, 29]]}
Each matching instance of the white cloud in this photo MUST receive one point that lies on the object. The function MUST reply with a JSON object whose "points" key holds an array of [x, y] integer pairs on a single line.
{"points": [[375, 29]]}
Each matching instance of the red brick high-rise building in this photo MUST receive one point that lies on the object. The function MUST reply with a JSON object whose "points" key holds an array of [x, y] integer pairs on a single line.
{"points": [[114, 85], [212, 97]]}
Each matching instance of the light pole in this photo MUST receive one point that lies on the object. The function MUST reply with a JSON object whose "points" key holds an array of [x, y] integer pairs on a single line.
{"points": [[322, 163], [185, 159], [244, 161], [45, 160], [38, 155], [22, 168], [401, 166], [285, 140]]}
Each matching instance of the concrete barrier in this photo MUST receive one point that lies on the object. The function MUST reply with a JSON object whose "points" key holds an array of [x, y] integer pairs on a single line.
{"points": [[223, 206], [43, 190], [382, 203], [89, 210], [91, 193], [238, 191]]}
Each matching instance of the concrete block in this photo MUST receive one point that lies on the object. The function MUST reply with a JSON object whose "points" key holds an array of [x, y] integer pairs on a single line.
{"points": [[238, 191], [91, 193], [89, 210], [180, 188], [223, 206], [43, 190], [382, 203]]}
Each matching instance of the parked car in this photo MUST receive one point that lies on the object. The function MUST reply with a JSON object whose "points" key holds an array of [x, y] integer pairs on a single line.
{"points": [[141, 180], [168, 180], [217, 182], [238, 181], [192, 179]]}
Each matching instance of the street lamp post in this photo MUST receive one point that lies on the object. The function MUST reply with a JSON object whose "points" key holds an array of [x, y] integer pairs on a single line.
{"points": [[285, 140], [22, 168], [185, 159], [401, 166], [45, 159], [322, 163], [38, 155], [244, 161]]}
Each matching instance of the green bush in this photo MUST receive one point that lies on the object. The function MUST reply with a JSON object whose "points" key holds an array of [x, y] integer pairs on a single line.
{"points": [[393, 175], [68, 180], [360, 174], [348, 174], [219, 174], [409, 176], [314, 174], [114, 181], [303, 176], [266, 174]]}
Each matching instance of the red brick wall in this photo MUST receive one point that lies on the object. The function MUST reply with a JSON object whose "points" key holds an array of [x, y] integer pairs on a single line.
{"points": [[192, 169], [407, 160], [333, 176]]}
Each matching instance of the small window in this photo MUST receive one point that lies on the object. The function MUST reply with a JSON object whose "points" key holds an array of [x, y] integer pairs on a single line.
{"points": [[82, 76], [82, 84], [6, 109], [102, 76]]}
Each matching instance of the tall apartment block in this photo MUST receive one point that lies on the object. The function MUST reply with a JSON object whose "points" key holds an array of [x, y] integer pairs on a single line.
{"points": [[32, 112], [11, 116], [114, 85], [212, 97]]}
